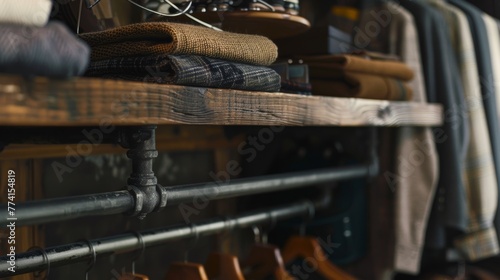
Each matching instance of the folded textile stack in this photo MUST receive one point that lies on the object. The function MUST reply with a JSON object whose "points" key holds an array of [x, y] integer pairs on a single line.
{"points": [[29, 46], [183, 54], [354, 76]]}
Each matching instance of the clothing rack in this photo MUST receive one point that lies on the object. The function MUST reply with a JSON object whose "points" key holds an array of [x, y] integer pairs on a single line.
{"points": [[83, 251], [143, 187], [144, 195], [59, 209], [175, 105]]}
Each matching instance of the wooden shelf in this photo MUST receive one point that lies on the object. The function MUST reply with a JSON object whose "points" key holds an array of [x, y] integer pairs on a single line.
{"points": [[85, 101]]}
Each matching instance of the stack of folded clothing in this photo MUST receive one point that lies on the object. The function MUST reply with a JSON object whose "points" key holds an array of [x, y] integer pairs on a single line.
{"points": [[355, 76], [29, 46], [183, 54]]}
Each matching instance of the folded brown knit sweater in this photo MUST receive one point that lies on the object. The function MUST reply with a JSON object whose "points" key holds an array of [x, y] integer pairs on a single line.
{"points": [[330, 66], [175, 38], [363, 86], [354, 76]]}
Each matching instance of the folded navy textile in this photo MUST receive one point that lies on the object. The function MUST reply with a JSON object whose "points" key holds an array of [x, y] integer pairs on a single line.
{"points": [[51, 51], [190, 70]]}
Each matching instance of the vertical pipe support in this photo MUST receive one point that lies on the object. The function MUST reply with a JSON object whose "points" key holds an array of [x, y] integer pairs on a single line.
{"points": [[142, 184]]}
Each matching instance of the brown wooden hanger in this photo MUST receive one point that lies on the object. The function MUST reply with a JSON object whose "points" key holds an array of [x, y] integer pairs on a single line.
{"points": [[132, 275], [135, 276], [309, 247], [263, 261], [222, 266], [186, 271]]}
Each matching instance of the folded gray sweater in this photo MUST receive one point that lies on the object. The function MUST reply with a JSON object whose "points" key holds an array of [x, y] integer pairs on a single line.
{"points": [[51, 51]]}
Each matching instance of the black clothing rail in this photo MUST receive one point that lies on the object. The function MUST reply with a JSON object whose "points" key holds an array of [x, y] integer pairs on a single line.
{"points": [[81, 251], [59, 209]]}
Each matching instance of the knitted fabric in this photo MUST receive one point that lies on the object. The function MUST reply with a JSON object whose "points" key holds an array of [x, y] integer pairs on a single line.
{"points": [[175, 38]]}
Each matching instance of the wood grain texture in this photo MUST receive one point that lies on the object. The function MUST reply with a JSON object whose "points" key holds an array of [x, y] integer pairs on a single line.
{"points": [[84, 101]]}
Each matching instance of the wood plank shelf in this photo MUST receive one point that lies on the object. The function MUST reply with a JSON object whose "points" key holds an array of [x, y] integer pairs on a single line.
{"points": [[88, 101]]}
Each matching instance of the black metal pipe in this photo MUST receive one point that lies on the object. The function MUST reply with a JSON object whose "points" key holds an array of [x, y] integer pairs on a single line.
{"points": [[80, 251], [51, 210], [141, 142], [264, 184], [59, 209]]}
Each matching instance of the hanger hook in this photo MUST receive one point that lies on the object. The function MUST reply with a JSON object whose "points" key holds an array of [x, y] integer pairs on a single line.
{"points": [[45, 256], [181, 12], [229, 226], [142, 249], [311, 211], [91, 5], [94, 257], [79, 17], [272, 223], [194, 230], [257, 234], [271, 7], [196, 234]]}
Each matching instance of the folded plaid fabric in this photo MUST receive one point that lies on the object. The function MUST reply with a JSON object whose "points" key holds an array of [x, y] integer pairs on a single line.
{"points": [[363, 86], [333, 66], [188, 70], [51, 51], [175, 38]]}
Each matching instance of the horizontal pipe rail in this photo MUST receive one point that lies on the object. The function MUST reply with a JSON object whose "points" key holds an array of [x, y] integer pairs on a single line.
{"points": [[263, 184], [52, 210], [59, 209], [80, 252]]}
